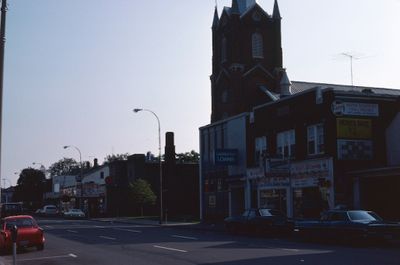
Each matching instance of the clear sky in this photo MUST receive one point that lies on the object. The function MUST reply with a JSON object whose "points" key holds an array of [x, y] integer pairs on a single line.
{"points": [[75, 69]]}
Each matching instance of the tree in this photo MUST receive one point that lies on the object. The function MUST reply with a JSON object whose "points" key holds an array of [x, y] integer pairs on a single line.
{"points": [[30, 187], [116, 157], [65, 166], [188, 157], [141, 194]]}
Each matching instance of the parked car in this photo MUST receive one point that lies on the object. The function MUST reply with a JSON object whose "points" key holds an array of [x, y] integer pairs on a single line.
{"points": [[29, 233], [260, 221], [74, 213], [349, 225], [9, 209], [48, 210]]}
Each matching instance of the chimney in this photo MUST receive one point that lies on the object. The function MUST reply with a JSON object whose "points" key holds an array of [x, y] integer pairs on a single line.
{"points": [[95, 162], [169, 147]]}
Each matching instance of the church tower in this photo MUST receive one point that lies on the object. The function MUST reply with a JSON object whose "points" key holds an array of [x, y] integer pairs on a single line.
{"points": [[247, 58]]}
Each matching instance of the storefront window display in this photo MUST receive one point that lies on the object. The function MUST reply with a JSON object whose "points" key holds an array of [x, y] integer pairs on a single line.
{"points": [[274, 199]]}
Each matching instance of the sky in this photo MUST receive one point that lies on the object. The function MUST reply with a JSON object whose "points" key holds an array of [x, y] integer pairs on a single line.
{"points": [[74, 69]]}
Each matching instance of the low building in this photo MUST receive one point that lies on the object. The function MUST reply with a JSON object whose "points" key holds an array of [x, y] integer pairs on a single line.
{"points": [[180, 182]]}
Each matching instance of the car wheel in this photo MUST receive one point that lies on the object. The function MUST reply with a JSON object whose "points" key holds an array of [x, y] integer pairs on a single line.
{"points": [[40, 247]]}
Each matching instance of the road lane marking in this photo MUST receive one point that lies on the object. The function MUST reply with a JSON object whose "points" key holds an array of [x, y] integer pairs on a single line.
{"points": [[98, 226], [109, 238], [51, 257], [290, 249], [172, 249], [72, 231], [48, 226], [128, 230], [185, 237]]}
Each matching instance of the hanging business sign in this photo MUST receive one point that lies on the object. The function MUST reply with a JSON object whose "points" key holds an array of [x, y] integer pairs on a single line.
{"points": [[226, 157], [354, 128], [340, 108]]}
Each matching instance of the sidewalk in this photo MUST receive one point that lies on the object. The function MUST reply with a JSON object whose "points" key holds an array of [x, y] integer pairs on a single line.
{"points": [[219, 227]]}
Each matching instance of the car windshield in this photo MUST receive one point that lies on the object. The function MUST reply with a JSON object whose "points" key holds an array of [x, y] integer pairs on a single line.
{"points": [[20, 223], [270, 212], [363, 216]]}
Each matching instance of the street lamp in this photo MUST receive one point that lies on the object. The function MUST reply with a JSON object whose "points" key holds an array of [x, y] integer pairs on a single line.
{"points": [[80, 177], [159, 158]]}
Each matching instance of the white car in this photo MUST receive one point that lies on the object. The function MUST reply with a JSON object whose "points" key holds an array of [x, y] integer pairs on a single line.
{"points": [[74, 213], [48, 210]]}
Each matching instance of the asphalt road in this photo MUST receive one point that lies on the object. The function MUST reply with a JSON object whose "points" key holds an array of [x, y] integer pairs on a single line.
{"points": [[92, 242]]}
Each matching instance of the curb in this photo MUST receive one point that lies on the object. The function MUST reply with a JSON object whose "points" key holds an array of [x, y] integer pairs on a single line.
{"points": [[195, 226]]}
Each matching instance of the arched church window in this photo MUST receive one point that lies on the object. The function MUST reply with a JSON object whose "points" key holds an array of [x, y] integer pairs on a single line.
{"points": [[223, 49], [257, 45], [224, 96]]}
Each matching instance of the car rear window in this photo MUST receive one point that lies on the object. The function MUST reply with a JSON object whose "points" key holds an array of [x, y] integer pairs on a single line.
{"points": [[20, 223], [363, 216]]}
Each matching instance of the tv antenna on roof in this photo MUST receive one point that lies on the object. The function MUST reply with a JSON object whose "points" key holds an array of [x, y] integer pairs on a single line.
{"points": [[352, 56]]}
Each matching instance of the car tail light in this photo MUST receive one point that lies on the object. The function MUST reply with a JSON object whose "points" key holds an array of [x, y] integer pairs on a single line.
{"points": [[4, 234]]}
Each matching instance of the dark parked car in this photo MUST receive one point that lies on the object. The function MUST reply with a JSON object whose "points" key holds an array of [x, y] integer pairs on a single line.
{"points": [[260, 221], [349, 226], [12, 208]]}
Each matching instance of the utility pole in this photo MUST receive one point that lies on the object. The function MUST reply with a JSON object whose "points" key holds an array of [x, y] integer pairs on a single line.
{"points": [[2, 45]]}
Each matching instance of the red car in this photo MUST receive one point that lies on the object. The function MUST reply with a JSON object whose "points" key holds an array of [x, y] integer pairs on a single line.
{"points": [[29, 233]]}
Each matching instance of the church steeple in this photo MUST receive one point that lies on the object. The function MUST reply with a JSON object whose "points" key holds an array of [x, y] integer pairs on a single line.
{"points": [[276, 14], [235, 7], [216, 19]]}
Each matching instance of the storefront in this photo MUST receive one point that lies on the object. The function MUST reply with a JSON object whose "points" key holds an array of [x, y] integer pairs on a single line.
{"points": [[312, 184], [94, 196], [299, 189]]}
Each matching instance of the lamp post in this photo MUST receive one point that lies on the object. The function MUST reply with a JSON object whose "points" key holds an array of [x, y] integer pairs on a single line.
{"points": [[159, 158], [80, 175]]}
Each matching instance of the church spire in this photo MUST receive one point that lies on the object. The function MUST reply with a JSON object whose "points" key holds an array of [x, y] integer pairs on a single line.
{"points": [[216, 18], [276, 14], [235, 7]]}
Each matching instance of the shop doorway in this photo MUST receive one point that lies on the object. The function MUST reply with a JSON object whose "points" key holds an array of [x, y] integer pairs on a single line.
{"points": [[236, 202]]}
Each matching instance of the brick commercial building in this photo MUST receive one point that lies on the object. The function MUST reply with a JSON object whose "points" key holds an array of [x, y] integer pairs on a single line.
{"points": [[298, 147]]}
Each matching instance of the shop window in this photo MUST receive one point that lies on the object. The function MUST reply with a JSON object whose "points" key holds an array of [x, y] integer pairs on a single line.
{"points": [[315, 139], [286, 144], [260, 150]]}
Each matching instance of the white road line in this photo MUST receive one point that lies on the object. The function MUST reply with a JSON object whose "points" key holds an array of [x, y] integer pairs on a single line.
{"points": [[172, 249], [109, 238], [72, 231], [185, 237], [290, 249], [48, 226], [51, 257], [98, 226], [128, 230]]}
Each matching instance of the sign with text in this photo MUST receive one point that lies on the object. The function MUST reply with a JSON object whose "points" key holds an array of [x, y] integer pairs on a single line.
{"points": [[354, 128], [226, 157], [340, 108]]}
